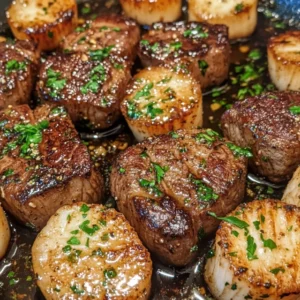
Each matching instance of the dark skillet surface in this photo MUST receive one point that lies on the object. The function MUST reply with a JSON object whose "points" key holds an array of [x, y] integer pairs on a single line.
{"points": [[16, 276]]}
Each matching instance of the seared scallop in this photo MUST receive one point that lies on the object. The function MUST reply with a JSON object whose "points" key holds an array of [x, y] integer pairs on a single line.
{"points": [[292, 192], [284, 60], [91, 252], [44, 21], [116, 32], [165, 186], [148, 12], [256, 253], [162, 99], [239, 15], [4, 233]]}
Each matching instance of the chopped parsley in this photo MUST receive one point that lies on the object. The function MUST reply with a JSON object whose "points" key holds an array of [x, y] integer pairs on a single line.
{"points": [[88, 230], [29, 134], [176, 45], [97, 76], [255, 54], [67, 249], [73, 257], [239, 151], [98, 252], [269, 243], [203, 66], [152, 111], [196, 32], [132, 111], [239, 7], [277, 270], [144, 42], [256, 225], [14, 65], [204, 193], [54, 82], [105, 237], [232, 220], [58, 111], [101, 54], [84, 208], [251, 248], [174, 135], [122, 170], [194, 249], [150, 186], [160, 171], [76, 290], [102, 222], [235, 233], [86, 10], [110, 273], [144, 92], [208, 137], [73, 241], [210, 253], [295, 110], [8, 172]]}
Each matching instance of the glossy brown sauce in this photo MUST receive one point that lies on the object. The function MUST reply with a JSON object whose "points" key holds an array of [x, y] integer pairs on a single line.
{"points": [[16, 275]]}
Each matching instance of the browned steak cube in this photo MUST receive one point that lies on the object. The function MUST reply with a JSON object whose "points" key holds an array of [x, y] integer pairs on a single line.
{"points": [[43, 165], [18, 69], [206, 44], [166, 185], [104, 32], [270, 125], [88, 85]]}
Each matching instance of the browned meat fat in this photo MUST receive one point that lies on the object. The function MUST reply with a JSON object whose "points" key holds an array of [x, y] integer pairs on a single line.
{"points": [[205, 44], [89, 86], [103, 32], [270, 125], [43, 165], [18, 69], [166, 185]]}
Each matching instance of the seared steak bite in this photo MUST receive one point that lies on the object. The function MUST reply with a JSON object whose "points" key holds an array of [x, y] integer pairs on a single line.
{"points": [[88, 86], [205, 44], [18, 69], [43, 165], [105, 31], [166, 185], [269, 125]]}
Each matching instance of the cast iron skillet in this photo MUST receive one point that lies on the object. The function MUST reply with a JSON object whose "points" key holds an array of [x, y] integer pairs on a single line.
{"points": [[16, 275]]}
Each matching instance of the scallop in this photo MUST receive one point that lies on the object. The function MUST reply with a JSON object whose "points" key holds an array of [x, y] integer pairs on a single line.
{"points": [[91, 252], [4, 233], [284, 60], [44, 21], [239, 15], [292, 192], [162, 99], [148, 12], [256, 253]]}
